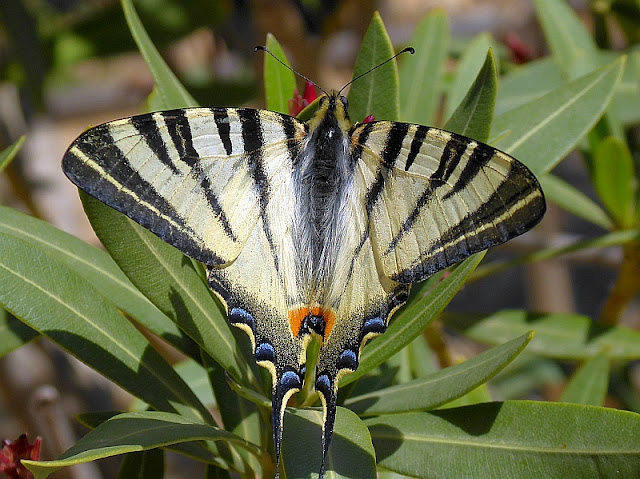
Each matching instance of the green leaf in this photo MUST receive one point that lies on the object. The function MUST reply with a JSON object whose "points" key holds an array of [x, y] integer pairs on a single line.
{"points": [[572, 48], [540, 133], [526, 83], [613, 177], [193, 450], [56, 302], [96, 267], [170, 281], [8, 154], [13, 333], [171, 94], [133, 432], [279, 82], [574, 201], [626, 102], [412, 319], [473, 116], [376, 93], [560, 336], [142, 465], [350, 455], [467, 71], [590, 383], [420, 74], [514, 439], [441, 387]]}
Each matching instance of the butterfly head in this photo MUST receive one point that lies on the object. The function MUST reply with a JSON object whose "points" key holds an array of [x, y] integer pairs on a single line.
{"points": [[333, 108]]}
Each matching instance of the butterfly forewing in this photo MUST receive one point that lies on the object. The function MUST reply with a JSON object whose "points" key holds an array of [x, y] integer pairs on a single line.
{"points": [[441, 197]]}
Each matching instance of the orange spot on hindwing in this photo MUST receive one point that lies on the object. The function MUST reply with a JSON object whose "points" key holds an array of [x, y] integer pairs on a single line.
{"points": [[317, 320]]}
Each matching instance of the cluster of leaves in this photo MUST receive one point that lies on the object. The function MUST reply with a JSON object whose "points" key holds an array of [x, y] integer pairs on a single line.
{"points": [[420, 424]]}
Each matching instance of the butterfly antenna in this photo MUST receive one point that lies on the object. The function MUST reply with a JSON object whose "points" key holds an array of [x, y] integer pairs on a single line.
{"points": [[405, 50], [266, 50]]}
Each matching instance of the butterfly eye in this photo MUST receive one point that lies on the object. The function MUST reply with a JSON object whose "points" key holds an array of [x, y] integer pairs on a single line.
{"points": [[345, 102]]}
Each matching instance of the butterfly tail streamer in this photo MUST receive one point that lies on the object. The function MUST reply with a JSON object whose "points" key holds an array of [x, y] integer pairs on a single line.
{"points": [[328, 391], [288, 383]]}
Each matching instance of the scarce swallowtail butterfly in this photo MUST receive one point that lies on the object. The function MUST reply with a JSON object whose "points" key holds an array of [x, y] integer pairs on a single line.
{"points": [[312, 229]]}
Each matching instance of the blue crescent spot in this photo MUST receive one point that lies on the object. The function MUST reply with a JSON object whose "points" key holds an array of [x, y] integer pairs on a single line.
{"points": [[290, 380], [239, 315], [265, 352], [374, 325], [323, 384], [348, 359]]}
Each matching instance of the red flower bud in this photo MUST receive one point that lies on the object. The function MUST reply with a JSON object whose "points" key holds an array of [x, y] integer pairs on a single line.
{"points": [[13, 451], [310, 92], [299, 103], [369, 119]]}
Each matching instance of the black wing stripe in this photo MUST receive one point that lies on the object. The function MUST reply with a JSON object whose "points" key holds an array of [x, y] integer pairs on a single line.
{"points": [[480, 156], [359, 142], [416, 144], [253, 142], [393, 146], [147, 126], [221, 118], [293, 145], [451, 155]]}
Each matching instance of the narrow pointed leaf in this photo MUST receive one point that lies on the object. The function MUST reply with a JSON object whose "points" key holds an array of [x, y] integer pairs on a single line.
{"points": [[98, 268], [474, 114], [167, 86], [413, 318], [200, 451], [350, 454], [441, 387], [590, 382], [530, 132], [8, 154], [574, 201], [170, 281], [467, 70], [514, 439], [279, 82], [613, 177], [420, 74], [61, 305], [560, 336], [377, 92], [132, 432]]}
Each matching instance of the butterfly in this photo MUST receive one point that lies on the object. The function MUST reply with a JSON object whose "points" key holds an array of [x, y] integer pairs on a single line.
{"points": [[307, 229]]}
